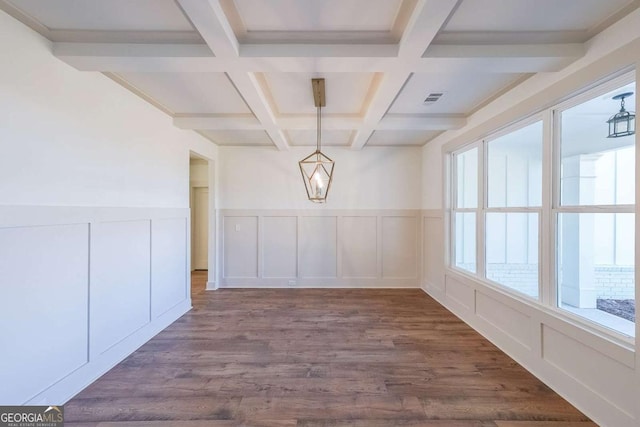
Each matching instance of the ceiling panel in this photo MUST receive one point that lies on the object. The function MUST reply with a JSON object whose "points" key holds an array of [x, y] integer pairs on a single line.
{"points": [[190, 93], [527, 15], [346, 93], [314, 15], [238, 137], [462, 92], [329, 137], [402, 137], [114, 15]]}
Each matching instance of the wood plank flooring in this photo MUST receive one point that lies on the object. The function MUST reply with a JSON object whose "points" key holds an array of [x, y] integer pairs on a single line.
{"points": [[309, 357]]}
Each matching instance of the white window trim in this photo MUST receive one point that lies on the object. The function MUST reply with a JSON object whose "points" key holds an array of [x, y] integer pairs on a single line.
{"points": [[558, 208], [454, 203], [547, 213], [514, 127]]}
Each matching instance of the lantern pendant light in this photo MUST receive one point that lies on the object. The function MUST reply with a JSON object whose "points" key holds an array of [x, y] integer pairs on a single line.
{"points": [[316, 168], [623, 123]]}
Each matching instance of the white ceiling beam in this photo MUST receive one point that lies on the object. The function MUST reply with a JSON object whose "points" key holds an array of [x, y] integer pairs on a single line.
{"points": [[309, 122], [211, 22], [421, 122], [133, 57], [553, 50], [132, 50], [119, 58], [386, 92], [219, 122], [424, 24], [228, 122], [523, 65], [250, 90], [500, 58], [321, 37], [318, 65], [294, 50]]}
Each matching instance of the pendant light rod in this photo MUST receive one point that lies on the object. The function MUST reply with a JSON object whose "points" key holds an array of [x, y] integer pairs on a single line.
{"points": [[320, 101], [319, 130]]}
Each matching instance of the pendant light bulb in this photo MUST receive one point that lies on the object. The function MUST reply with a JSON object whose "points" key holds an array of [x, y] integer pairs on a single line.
{"points": [[318, 180], [319, 184]]}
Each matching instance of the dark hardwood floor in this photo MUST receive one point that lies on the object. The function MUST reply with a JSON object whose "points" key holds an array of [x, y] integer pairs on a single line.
{"points": [[308, 357]]}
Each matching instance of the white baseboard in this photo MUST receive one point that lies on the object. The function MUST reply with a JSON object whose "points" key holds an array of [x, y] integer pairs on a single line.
{"points": [[212, 286], [62, 391], [329, 283]]}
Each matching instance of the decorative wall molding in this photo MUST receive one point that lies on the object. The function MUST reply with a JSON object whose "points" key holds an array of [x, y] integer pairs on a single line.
{"points": [[320, 248], [106, 279]]}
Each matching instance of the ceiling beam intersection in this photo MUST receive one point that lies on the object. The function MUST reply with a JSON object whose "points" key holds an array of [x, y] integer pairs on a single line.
{"points": [[209, 19], [424, 24]]}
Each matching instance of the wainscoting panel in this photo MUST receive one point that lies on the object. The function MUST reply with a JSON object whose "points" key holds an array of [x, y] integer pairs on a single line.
{"points": [[120, 287], [598, 372], [241, 247], [433, 250], [318, 247], [513, 323], [168, 264], [322, 248], [78, 291], [359, 241], [279, 246], [44, 305], [459, 292], [399, 247]]}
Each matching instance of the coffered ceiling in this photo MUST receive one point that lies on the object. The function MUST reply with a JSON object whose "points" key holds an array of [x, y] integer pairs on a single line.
{"points": [[239, 71]]}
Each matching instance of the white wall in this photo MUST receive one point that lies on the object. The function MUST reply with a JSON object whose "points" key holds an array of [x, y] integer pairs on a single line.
{"points": [[432, 176], [94, 193], [77, 139], [367, 234], [598, 374], [373, 178]]}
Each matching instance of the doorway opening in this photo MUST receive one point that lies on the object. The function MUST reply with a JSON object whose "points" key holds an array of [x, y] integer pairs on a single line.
{"points": [[200, 218]]}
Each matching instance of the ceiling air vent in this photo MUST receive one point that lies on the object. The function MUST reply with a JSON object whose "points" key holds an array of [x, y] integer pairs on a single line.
{"points": [[432, 97]]}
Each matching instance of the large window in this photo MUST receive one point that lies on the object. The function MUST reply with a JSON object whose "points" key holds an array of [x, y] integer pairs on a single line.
{"points": [[545, 209], [465, 208], [514, 199], [595, 214]]}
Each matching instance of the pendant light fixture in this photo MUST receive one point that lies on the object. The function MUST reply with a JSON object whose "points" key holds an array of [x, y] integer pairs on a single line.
{"points": [[623, 123], [316, 168]]}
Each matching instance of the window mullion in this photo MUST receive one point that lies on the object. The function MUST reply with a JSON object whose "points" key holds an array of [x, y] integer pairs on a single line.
{"points": [[482, 205], [515, 209], [597, 209], [547, 267]]}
